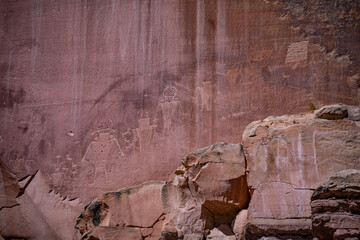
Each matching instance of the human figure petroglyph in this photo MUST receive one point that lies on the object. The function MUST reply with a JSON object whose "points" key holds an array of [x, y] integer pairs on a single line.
{"points": [[168, 106], [144, 133], [205, 94], [129, 138], [102, 153]]}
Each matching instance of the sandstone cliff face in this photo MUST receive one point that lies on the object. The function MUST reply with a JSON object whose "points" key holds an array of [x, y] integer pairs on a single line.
{"points": [[263, 189], [98, 94], [285, 159]]}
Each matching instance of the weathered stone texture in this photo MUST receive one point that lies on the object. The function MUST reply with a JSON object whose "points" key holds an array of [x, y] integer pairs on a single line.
{"points": [[139, 206], [207, 191], [335, 207], [301, 149], [238, 225], [98, 94], [288, 157], [35, 213], [112, 233]]}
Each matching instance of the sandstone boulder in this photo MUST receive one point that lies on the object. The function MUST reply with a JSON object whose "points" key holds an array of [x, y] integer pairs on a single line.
{"points": [[238, 225], [302, 149], [222, 232], [272, 229], [139, 206], [208, 190], [288, 156], [279, 209], [335, 207], [338, 111]]}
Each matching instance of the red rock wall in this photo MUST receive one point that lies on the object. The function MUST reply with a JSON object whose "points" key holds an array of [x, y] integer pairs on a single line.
{"points": [[105, 94]]}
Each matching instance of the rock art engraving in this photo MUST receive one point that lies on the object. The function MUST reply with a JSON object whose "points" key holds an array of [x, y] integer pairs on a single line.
{"points": [[102, 153], [287, 152], [57, 175], [21, 165], [204, 94], [168, 107], [129, 138], [144, 133], [63, 173], [297, 52]]}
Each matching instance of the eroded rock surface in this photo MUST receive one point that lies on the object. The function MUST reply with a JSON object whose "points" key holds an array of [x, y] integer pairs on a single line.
{"points": [[335, 207], [207, 191], [279, 209], [9, 188], [112, 233], [139, 207], [35, 213], [338, 111], [288, 156], [238, 225], [302, 149]]}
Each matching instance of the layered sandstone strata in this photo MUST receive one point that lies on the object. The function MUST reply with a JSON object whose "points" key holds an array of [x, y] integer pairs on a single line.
{"points": [[335, 207]]}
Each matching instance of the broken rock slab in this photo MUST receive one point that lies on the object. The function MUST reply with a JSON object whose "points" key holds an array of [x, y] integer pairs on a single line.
{"points": [[208, 190], [335, 207], [139, 206], [111, 233], [278, 209], [267, 228], [338, 111]]}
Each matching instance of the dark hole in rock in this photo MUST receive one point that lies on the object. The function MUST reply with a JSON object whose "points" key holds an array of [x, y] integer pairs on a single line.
{"points": [[238, 192], [216, 213]]}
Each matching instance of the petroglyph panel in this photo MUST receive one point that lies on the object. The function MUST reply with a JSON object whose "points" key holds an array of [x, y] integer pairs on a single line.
{"points": [[196, 74], [297, 52]]}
